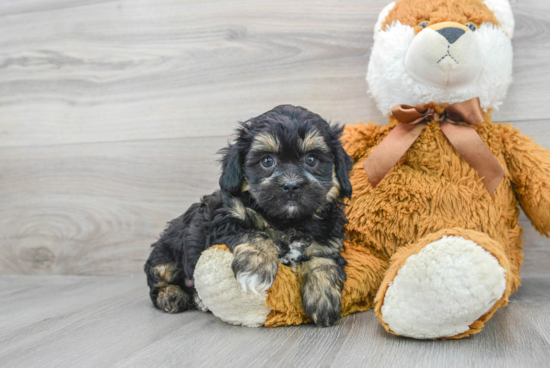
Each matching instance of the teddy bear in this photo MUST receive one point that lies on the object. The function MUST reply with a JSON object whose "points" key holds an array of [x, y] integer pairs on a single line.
{"points": [[434, 243]]}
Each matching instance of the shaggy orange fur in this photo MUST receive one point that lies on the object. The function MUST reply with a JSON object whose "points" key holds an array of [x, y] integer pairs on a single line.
{"points": [[412, 12], [432, 192], [285, 300]]}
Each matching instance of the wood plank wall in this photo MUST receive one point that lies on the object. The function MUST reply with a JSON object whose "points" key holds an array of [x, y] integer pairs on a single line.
{"points": [[111, 112]]}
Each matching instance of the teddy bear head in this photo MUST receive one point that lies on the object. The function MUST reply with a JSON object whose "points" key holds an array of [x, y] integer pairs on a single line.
{"points": [[441, 51]]}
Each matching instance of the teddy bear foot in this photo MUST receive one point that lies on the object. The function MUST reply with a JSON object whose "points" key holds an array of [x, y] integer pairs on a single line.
{"points": [[443, 289]]}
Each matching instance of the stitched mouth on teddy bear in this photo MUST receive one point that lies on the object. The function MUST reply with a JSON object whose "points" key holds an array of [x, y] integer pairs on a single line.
{"points": [[448, 54], [445, 55]]}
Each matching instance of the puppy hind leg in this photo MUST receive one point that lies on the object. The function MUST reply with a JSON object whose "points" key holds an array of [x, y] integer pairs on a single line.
{"points": [[164, 277], [172, 299]]}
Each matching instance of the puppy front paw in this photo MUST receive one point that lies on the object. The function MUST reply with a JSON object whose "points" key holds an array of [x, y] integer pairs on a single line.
{"points": [[322, 291], [323, 306], [255, 267]]}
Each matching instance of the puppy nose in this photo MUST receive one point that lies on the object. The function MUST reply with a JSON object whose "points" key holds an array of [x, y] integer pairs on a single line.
{"points": [[291, 187], [451, 33]]}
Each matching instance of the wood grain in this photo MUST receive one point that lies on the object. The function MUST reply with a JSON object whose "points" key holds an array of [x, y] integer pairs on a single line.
{"points": [[111, 112], [95, 71], [95, 208], [94, 321]]}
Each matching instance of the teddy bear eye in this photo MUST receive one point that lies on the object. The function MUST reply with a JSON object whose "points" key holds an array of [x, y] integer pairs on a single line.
{"points": [[423, 24], [472, 26]]}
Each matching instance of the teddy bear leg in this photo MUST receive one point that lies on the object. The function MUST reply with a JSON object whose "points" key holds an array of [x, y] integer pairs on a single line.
{"points": [[364, 271], [223, 295], [445, 286]]}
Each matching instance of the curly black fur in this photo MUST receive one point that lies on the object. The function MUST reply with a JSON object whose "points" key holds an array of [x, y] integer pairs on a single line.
{"points": [[282, 181]]}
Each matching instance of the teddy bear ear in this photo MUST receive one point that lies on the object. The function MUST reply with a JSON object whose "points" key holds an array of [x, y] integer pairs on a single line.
{"points": [[382, 16], [503, 12]]}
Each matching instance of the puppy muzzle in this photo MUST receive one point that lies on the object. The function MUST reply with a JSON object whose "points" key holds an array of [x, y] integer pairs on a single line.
{"points": [[292, 184]]}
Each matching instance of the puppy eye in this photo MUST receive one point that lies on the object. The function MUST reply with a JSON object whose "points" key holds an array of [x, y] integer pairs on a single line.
{"points": [[311, 160], [267, 161], [423, 24], [472, 26]]}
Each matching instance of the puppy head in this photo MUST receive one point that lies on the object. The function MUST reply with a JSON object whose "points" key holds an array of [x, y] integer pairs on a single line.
{"points": [[289, 160], [441, 51]]}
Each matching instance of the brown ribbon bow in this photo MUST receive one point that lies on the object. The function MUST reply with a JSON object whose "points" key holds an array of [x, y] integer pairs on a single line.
{"points": [[464, 138]]}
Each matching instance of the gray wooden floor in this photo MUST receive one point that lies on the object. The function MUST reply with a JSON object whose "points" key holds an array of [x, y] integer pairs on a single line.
{"points": [[100, 321]]}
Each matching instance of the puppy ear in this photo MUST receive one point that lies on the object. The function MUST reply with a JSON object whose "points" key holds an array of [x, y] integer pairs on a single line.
{"points": [[232, 177], [342, 161]]}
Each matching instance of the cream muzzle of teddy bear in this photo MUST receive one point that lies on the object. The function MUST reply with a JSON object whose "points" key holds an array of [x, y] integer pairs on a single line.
{"points": [[445, 55]]}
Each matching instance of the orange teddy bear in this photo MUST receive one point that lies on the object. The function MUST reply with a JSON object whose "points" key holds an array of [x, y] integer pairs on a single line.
{"points": [[436, 202], [434, 241]]}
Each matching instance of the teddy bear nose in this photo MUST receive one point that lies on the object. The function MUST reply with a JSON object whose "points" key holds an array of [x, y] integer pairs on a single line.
{"points": [[451, 34]]}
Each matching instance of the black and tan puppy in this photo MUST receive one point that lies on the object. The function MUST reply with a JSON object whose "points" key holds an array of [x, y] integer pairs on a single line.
{"points": [[282, 181]]}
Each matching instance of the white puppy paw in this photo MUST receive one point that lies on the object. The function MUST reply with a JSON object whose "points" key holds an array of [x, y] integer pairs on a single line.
{"points": [[255, 269], [253, 282]]}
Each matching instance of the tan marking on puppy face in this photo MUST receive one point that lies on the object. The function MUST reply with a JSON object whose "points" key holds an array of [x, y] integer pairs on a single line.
{"points": [[166, 272], [313, 141], [334, 192], [265, 142], [412, 12]]}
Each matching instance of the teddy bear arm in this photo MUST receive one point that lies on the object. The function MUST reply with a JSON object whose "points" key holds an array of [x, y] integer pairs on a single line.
{"points": [[529, 166], [364, 272]]}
